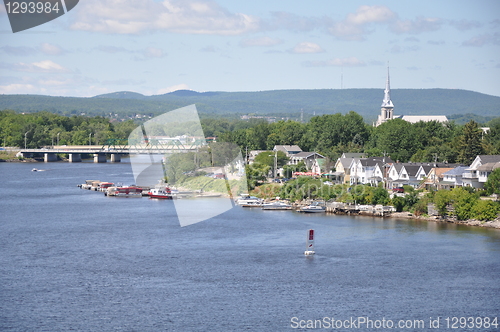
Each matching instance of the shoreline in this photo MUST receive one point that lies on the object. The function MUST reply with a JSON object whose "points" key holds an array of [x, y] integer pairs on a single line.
{"points": [[470, 222]]}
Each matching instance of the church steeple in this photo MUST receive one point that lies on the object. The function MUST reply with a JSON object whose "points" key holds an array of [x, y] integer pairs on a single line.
{"points": [[386, 112], [387, 102]]}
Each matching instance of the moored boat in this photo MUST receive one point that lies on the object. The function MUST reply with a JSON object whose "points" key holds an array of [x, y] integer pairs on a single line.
{"points": [[277, 205], [161, 193], [249, 201], [131, 191], [313, 208]]}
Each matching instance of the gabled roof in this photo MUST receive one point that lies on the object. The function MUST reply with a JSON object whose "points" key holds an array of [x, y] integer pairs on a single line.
{"points": [[306, 155], [412, 169], [489, 158], [346, 162], [488, 167], [456, 171], [287, 148]]}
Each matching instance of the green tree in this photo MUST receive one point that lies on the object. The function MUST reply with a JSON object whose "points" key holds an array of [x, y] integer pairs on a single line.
{"points": [[492, 185], [485, 210], [463, 203], [469, 143], [398, 138], [442, 198]]}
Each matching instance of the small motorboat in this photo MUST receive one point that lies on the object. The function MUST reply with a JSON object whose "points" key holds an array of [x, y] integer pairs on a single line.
{"points": [[315, 207], [277, 205], [162, 193], [249, 201]]}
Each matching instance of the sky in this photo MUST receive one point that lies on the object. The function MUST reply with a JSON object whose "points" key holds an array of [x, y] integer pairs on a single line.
{"points": [[154, 47]]}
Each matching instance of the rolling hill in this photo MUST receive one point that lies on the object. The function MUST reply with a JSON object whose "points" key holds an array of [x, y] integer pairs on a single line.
{"points": [[366, 102]]}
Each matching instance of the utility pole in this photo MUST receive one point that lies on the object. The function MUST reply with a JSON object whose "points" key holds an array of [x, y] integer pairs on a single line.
{"points": [[25, 138], [275, 162]]}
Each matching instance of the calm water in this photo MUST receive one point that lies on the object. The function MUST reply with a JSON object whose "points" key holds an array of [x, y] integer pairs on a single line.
{"points": [[72, 259]]}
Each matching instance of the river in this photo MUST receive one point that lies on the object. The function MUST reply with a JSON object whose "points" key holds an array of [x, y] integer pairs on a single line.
{"points": [[72, 259]]}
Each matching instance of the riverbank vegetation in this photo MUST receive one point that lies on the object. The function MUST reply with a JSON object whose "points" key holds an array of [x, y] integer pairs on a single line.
{"points": [[460, 203]]}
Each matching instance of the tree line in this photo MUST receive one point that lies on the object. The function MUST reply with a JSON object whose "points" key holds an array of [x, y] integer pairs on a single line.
{"points": [[330, 135]]}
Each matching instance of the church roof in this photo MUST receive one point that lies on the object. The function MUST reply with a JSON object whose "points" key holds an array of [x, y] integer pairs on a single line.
{"points": [[425, 118]]}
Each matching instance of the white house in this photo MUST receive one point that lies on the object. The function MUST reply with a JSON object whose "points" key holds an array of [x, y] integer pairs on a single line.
{"points": [[368, 170], [473, 177], [452, 178], [307, 157], [289, 150]]}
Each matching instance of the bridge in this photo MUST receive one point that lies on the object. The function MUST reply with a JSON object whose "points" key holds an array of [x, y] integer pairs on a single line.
{"points": [[114, 148]]}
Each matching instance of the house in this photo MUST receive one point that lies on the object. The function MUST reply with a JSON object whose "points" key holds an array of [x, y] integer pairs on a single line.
{"points": [[401, 174], [342, 169], [307, 157], [368, 170], [434, 177], [318, 166], [485, 170], [473, 177], [452, 178], [289, 150]]}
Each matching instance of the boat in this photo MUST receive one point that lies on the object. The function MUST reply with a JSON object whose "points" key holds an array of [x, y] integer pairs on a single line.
{"points": [[249, 201], [131, 191], [88, 184], [313, 208], [277, 205], [162, 193]]}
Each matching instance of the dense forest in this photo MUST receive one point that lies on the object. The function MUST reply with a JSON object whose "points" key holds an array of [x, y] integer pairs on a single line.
{"points": [[329, 135]]}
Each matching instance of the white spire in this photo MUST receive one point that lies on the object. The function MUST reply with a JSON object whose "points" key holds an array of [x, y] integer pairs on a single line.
{"points": [[387, 92]]}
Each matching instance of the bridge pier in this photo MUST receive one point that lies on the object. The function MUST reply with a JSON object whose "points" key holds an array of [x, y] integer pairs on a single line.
{"points": [[99, 158], [75, 157], [48, 157], [116, 158]]}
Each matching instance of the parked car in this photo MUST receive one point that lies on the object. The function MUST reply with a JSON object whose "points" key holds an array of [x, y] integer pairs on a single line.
{"points": [[398, 190]]}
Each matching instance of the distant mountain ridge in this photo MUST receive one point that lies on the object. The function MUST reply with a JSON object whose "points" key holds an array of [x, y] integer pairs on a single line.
{"points": [[366, 102]]}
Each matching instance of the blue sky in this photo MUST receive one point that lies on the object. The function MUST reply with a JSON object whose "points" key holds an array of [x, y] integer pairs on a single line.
{"points": [[154, 47]]}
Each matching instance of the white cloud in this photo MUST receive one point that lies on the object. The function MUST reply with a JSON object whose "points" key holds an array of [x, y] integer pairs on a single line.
{"points": [[18, 89], [261, 41], [464, 25], [482, 40], [51, 49], [173, 88], [355, 25], [182, 16], [306, 47], [45, 66], [419, 25], [336, 62]]}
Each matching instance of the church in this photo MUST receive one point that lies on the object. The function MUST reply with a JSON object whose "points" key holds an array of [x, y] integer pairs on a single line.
{"points": [[387, 110]]}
